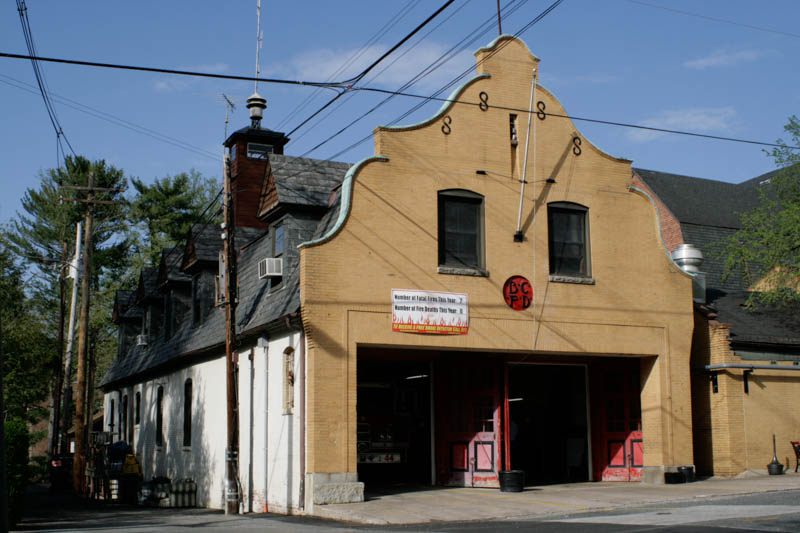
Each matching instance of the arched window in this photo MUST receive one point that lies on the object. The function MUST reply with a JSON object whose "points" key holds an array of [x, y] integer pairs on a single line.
{"points": [[187, 412], [568, 232], [160, 416], [123, 418], [137, 408], [112, 406]]}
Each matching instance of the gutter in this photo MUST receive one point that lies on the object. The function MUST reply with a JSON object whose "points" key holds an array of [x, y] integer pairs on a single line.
{"points": [[713, 370]]}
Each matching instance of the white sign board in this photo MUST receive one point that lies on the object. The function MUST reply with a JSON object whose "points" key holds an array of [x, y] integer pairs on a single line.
{"points": [[430, 312]]}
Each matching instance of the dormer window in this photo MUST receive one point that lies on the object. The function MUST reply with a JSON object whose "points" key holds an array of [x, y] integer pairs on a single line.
{"points": [[277, 252], [202, 296], [258, 151]]}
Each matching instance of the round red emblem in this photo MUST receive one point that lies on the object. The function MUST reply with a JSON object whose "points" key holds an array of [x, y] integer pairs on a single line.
{"points": [[518, 293]]}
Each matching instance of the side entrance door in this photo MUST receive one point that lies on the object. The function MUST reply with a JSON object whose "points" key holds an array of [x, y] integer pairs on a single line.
{"points": [[467, 418], [622, 450]]}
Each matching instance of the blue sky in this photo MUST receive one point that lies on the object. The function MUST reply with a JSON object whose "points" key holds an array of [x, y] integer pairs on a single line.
{"points": [[616, 60]]}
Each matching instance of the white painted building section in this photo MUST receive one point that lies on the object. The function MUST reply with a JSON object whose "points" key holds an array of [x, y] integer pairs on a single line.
{"points": [[270, 467]]}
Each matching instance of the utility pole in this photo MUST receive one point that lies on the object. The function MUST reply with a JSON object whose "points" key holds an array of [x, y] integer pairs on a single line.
{"points": [[232, 450], [74, 273], [79, 461], [55, 393]]}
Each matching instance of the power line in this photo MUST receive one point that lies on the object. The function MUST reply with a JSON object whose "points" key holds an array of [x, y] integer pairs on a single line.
{"points": [[39, 75], [348, 84], [112, 119], [393, 21], [582, 119], [169, 71], [385, 68], [697, 15], [473, 36]]}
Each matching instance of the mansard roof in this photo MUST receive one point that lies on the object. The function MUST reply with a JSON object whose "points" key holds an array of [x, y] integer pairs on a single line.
{"points": [[298, 181], [146, 290], [257, 311], [125, 307], [169, 268], [204, 245]]}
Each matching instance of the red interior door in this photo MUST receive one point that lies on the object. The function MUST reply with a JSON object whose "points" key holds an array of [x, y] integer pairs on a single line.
{"points": [[622, 451], [467, 422]]}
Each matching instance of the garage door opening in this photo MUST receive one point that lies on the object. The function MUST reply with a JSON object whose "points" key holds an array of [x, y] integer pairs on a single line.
{"points": [[548, 424], [393, 428]]}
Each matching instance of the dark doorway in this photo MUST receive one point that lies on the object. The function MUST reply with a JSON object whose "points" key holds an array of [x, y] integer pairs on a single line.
{"points": [[394, 412], [548, 422]]}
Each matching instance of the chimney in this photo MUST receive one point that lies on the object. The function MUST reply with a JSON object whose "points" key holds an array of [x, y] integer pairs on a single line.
{"points": [[250, 149], [689, 258]]}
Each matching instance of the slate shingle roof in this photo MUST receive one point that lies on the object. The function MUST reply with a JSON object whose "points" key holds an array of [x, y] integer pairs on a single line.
{"points": [[764, 325], [708, 212], [147, 285], [306, 182], [701, 201], [301, 182], [169, 268], [257, 308], [207, 241], [125, 306]]}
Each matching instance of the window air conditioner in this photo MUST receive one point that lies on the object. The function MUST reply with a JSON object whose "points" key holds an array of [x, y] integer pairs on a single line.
{"points": [[141, 340], [270, 267]]}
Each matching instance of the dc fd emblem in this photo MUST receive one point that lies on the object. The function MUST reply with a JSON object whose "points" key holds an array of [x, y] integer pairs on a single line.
{"points": [[518, 293]]}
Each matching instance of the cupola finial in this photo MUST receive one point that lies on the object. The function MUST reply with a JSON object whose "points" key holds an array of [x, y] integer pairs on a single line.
{"points": [[256, 104]]}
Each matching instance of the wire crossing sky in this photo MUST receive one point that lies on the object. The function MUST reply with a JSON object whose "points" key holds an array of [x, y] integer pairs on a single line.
{"points": [[718, 69]]}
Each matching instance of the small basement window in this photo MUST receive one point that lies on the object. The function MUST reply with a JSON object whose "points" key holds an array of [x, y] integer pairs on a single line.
{"points": [[258, 151]]}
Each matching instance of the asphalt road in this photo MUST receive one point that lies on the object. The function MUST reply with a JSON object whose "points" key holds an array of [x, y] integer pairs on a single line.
{"points": [[771, 512]]}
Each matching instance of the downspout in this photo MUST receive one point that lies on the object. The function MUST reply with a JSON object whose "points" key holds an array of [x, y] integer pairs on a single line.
{"points": [[264, 343], [250, 453], [302, 422]]}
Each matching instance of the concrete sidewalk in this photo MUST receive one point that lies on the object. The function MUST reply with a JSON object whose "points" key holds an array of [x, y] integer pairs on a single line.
{"points": [[434, 504]]}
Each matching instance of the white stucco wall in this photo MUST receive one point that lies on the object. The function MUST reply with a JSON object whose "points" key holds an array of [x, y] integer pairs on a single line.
{"points": [[272, 469]]}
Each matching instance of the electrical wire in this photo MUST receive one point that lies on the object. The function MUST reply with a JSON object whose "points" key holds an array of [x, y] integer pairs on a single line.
{"points": [[384, 69], [585, 119], [39, 75], [467, 71], [337, 85], [438, 62], [393, 21], [347, 85], [112, 119], [731, 22]]}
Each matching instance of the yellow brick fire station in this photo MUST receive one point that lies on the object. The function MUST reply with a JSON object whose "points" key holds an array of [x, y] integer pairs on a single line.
{"points": [[489, 293]]}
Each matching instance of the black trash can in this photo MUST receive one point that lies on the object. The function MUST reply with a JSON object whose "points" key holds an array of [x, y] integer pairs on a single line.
{"points": [[687, 472], [512, 480]]}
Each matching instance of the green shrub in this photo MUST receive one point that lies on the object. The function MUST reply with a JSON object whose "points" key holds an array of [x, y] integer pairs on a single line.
{"points": [[17, 469]]}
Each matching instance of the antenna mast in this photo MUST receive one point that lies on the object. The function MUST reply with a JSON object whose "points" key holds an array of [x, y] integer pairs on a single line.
{"points": [[258, 42], [229, 107]]}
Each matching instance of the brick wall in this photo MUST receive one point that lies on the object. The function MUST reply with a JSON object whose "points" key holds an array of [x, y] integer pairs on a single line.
{"points": [[639, 305]]}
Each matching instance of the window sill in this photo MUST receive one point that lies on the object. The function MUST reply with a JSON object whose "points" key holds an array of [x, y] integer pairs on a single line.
{"points": [[578, 280], [159, 448], [187, 448], [463, 271]]}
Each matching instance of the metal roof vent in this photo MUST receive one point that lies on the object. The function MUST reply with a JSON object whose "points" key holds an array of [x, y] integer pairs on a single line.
{"points": [[688, 257], [256, 104]]}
